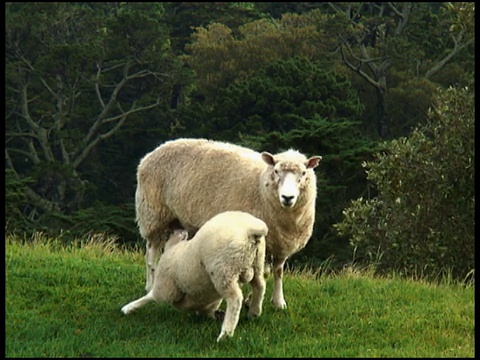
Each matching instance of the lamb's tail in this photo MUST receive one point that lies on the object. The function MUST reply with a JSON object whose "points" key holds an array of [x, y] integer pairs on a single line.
{"points": [[258, 232]]}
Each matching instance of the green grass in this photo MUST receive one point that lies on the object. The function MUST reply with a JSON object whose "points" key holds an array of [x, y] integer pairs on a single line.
{"points": [[65, 302]]}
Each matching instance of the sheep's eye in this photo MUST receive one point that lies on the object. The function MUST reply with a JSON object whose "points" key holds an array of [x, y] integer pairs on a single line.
{"points": [[304, 173], [275, 171]]}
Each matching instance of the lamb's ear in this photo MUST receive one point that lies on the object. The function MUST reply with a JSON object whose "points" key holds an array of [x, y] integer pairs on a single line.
{"points": [[312, 163], [268, 158]]}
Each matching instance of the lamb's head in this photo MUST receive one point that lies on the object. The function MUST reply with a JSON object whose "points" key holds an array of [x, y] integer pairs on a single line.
{"points": [[176, 236], [289, 173]]}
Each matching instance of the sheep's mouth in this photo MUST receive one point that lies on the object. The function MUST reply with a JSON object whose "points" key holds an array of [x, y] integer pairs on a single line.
{"points": [[287, 203]]}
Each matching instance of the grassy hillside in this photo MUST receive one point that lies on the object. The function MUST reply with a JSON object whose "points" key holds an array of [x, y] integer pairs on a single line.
{"points": [[65, 302]]}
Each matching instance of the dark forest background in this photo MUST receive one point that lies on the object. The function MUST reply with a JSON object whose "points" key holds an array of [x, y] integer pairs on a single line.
{"points": [[383, 91]]}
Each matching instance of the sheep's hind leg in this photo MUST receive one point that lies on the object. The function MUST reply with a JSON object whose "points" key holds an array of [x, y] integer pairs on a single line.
{"points": [[277, 296], [234, 297]]}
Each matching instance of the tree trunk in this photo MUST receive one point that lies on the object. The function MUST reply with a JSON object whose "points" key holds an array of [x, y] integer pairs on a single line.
{"points": [[383, 123]]}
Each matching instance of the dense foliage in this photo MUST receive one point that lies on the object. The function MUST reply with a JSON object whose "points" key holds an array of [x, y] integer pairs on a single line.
{"points": [[90, 88], [75, 76], [423, 217]]}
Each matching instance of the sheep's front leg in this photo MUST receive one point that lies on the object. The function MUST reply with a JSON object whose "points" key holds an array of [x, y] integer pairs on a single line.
{"points": [[277, 296], [134, 305], [151, 255], [233, 297], [256, 298]]}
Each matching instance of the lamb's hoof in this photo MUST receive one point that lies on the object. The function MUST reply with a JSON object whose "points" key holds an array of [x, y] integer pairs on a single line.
{"points": [[126, 309], [219, 315]]}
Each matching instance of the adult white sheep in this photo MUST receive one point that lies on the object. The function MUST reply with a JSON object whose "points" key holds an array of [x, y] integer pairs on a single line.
{"points": [[196, 275], [188, 181]]}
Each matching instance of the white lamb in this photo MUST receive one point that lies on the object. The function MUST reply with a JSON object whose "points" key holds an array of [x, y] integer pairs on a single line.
{"points": [[188, 181], [196, 275]]}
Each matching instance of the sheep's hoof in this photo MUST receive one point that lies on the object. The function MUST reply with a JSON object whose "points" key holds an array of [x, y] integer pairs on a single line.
{"points": [[279, 304], [219, 315], [223, 335], [254, 315]]}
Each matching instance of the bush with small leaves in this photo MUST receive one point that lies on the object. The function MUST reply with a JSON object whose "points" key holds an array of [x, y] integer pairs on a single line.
{"points": [[422, 221]]}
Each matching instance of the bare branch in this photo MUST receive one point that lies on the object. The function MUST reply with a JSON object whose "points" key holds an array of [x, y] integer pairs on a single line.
{"points": [[347, 11], [21, 152], [30, 66], [8, 161], [395, 10], [33, 151], [20, 134], [404, 16], [40, 201], [457, 47], [381, 8], [42, 134], [121, 119], [113, 98], [97, 86], [357, 68]]}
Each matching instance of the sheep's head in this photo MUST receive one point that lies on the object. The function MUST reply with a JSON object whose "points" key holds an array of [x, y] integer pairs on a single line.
{"points": [[289, 174]]}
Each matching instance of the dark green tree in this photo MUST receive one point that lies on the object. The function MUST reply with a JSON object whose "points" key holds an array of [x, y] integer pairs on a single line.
{"points": [[423, 219], [221, 55], [183, 17], [76, 73], [384, 42]]}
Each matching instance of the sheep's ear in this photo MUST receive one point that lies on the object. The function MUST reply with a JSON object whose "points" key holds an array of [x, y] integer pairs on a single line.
{"points": [[313, 162], [268, 158]]}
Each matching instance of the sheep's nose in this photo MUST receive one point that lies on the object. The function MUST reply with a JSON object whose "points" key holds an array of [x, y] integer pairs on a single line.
{"points": [[287, 200]]}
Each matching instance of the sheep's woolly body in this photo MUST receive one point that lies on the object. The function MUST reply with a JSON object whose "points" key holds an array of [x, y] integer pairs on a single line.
{"points": [[196, 275], [191, 180]]}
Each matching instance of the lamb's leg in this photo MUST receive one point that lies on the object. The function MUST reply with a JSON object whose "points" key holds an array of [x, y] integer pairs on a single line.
{"points": [[234, 297], [277, 296], [134, 305], [256, 297]]}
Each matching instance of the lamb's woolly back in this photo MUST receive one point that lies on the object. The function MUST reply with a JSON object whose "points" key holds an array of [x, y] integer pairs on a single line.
{"points": [[223, 223], [229, 240]]}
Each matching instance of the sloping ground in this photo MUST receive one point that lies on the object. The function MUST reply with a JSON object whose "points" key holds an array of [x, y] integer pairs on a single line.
{"points": [[65, 302]]}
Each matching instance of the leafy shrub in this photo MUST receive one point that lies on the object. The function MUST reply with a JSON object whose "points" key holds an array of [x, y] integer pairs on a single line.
{"points": [[423, 217], [116, 221]]}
